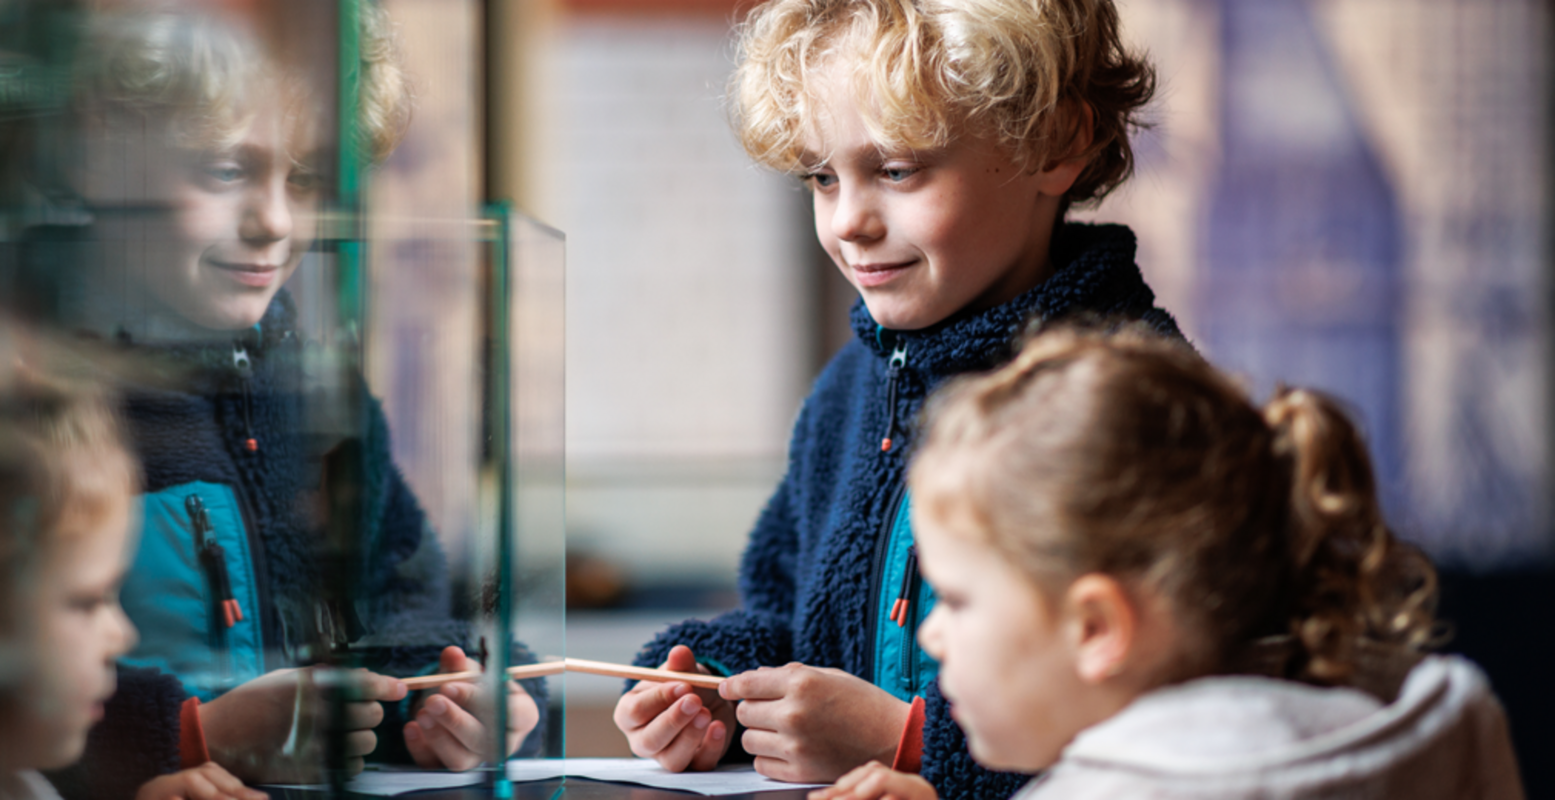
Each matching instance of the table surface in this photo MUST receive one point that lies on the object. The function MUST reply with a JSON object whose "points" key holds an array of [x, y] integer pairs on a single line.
{"points": [[574, 788]]}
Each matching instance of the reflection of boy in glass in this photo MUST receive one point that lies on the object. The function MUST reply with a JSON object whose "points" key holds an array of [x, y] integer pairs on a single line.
{"points": [[189, 169]]}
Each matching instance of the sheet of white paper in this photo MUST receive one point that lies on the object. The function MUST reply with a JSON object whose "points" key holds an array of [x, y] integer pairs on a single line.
{"points": [[726, 780], [730, 779], [393, 782]]}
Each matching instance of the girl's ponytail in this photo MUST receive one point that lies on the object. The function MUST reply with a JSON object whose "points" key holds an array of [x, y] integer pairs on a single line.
{"points": [[1353, 583]]}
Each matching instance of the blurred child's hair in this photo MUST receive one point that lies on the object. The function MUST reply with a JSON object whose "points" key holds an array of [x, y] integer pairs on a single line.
{"points": [[1025, 72], [1126, 454], [63, 458]]}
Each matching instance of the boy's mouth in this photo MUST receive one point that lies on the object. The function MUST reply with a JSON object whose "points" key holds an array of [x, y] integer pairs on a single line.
{"points": [[875, 274], [256, 275]]}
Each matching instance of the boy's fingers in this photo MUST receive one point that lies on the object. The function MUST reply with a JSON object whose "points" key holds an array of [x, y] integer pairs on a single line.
{"points": [[371, 686], [448, 751], [641, 706], [758, 684], [458, 722], [363, 716], [678, 754], [766, 743], [680, 659], [420, 749], [711, 750], [360, 743], [760, 714], [658, 734], [198, 786], [452, 659]]}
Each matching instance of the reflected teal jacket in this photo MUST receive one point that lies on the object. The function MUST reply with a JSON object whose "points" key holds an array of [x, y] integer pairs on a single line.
{"points": [[831, 553], [228, 581]]}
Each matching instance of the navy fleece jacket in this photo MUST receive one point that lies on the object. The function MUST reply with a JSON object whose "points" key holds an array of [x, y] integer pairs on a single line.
{"points": [[805, 578], [190, 424]]}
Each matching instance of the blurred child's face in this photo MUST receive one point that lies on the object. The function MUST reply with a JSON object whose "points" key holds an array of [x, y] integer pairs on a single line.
{"points": [[74, 630], [219, 230], [923, 235], [1006, 663]]}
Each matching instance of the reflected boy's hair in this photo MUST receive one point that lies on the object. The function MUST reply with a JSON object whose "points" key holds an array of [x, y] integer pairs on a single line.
{"points": [[63, 459], [199, 77], [1129, 455], [1025, 72]]}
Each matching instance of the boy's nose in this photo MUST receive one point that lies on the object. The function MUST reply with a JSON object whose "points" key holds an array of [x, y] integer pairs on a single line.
{"points": [[855, 218], [268, 215]]}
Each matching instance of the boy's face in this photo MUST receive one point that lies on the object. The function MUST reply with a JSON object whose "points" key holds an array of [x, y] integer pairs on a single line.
{"points": [[923, 235], [74, 631], [206, 235], [1006, 664]]}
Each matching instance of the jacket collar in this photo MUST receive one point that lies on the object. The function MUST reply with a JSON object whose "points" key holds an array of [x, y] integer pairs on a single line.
{"points": [[1094, 270]]}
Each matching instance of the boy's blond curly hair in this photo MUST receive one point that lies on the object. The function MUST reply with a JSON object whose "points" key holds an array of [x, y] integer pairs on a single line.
{"points": [[1026, 72]]}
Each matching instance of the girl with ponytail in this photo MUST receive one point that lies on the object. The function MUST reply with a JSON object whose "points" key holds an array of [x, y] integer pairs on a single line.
{"points": [[1149, 586]]}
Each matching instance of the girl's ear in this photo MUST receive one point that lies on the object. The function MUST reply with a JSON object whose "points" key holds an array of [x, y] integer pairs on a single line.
{"points": [[1101, 627], [1062, 171]]}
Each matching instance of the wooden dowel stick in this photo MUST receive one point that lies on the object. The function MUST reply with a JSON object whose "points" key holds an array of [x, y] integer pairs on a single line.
{"points": [[571, 665], [641, 673]]}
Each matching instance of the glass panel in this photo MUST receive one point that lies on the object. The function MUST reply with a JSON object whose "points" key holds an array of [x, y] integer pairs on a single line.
{"points": [[296, 279]]}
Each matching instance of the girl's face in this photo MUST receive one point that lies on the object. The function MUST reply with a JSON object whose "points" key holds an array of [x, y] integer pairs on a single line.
{"points": [[208, 236], [1007, 658], [923, 235], [74, 631]]}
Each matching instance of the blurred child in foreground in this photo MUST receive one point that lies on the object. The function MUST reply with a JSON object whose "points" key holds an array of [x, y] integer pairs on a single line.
{"points": [[1151, 587], [67, 487]]}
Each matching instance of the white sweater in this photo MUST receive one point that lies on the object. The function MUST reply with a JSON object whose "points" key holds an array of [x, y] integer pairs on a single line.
{"points": [[27, 785], [1238, 738]]}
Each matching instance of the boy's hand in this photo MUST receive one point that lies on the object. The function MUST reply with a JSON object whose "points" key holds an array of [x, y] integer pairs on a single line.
{"points": [[205, 782], [808, 725], [268, 730], [448, 731], [876, 781], [672, 723]]}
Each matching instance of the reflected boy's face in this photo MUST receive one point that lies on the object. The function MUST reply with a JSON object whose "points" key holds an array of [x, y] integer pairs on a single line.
{"points": [[207, 236], [924, 235], [75, 630]]}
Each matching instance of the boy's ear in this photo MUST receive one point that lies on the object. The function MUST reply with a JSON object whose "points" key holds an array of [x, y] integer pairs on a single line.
{"points": [[1061, 172], [1102, 626]]}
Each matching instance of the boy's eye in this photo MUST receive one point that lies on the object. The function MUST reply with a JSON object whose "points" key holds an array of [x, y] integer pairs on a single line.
{"points": [[820, 180], [304, 181], [224, 173], [898, 174]]}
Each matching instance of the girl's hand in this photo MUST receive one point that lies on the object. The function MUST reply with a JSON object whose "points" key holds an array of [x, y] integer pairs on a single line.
{"points": [[876, 781], [448, 731], [672, 723], [205, 782], [810, 725]]}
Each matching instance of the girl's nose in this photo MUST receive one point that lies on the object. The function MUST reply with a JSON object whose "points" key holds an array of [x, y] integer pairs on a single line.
{"points": [[268, 215], [125, 636], [855, 217], [930, 634]]}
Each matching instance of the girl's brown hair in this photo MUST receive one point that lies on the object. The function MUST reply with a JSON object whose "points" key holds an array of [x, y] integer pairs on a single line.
{"points": [[1126, 454], [63, 457], [1031, 74]]}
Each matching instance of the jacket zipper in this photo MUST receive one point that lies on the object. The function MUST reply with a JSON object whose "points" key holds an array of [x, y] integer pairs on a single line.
{"points": [[213, 558], [877, 579], [901, 613], [898, 360]]}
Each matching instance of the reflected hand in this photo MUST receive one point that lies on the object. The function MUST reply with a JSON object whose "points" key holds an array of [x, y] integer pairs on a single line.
{"points": [[808, 724], [205, 782], [876, 781], [267, 730], [672, 723], [448, 731]]}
